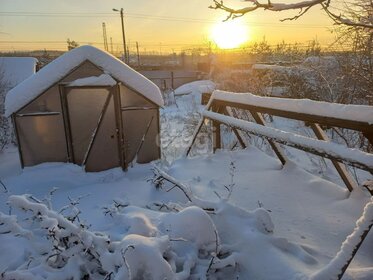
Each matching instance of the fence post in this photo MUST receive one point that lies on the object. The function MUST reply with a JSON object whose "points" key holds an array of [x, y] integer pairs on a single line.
{"points": [[341, 168], [172, 80]]}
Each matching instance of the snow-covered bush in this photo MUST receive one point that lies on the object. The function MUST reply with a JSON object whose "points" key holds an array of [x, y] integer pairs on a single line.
{"points": [[154, 245], [5, 127]]}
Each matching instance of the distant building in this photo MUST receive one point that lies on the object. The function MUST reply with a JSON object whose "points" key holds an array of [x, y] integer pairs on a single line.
{"points": [[172, 79], [14, 70]]}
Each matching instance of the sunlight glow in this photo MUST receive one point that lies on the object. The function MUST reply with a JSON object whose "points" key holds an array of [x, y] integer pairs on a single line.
{"points": [[229, 34]]}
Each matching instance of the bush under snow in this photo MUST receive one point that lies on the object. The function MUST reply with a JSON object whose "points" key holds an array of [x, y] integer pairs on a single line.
{"points": [[156, 245]]}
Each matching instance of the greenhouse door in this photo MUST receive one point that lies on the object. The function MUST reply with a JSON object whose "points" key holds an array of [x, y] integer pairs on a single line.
{"points": [[92, 129]]}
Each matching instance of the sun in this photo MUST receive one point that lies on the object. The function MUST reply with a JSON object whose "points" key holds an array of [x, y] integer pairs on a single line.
{"points": [[230, 34]]}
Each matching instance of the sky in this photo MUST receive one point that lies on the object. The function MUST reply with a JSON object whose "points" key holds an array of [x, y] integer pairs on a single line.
{"points": [[162, 25]]}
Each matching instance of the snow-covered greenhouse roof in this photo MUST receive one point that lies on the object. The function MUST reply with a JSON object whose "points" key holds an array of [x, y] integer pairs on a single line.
{"points": [[60, 67]]}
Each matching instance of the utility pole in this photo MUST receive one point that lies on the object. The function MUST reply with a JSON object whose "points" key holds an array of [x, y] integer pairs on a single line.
{"points": [[105, 36], [138, 54], [123, 35], [111, 45]]}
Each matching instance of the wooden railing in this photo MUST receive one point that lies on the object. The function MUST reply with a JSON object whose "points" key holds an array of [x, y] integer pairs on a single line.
{"points": [[220, 110], [315, 114]]}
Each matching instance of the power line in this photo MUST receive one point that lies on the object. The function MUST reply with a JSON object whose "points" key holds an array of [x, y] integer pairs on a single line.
{"points": [[147, 16], [176, 46]]}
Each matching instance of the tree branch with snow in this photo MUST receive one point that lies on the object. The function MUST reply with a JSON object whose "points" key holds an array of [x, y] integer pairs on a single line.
{"points": [[303, 7], [339, 264]]}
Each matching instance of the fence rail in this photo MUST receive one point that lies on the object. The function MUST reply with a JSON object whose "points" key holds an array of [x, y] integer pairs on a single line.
{"points": [[360, 118], [315, 114]]}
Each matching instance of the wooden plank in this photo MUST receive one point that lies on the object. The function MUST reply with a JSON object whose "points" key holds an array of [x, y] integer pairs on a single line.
{"points": [[340, 167], [275, 147], [364, 127], [369, 136], [267, 133], [39, 114], [14, 120], [66, 85], [216, 130], [119, 125], [216, 136], [158, 139], [143, 137], [67, 124], [198, 129], [228, 112], [137, 108], [205, 98]]}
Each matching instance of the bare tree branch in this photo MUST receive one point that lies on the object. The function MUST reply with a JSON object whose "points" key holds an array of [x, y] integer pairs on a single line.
{"points": [[234, 13], [340, 19], [303, 6]]}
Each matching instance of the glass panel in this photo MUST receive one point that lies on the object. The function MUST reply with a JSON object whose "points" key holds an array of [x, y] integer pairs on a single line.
{"points": [[86, 69], [105, 153], [49, 101], [129, 98], [135, 123], [85, 106], [42, 139]]}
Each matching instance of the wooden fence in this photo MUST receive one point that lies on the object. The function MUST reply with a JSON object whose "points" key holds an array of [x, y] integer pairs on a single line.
{"points": [[225, 103], [220, 110]]}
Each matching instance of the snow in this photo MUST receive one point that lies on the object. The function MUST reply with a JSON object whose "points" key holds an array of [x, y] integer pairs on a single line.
{"points": [[192, 224], [102, 80], [57, 69], [188, 96], [349, 155], [200, 86], [248, 217], [360, 113], [327, 61], [276, 91], [14, 70], [294, 5], [271, 67], [332, 270], [298, 228]]}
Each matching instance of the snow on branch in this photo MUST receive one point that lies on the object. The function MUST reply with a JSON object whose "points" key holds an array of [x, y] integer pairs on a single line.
{"points": [[66, 250], [302, 6], [260, 216], [233, 13], [336, 268], [160, 176], [343, 20]]}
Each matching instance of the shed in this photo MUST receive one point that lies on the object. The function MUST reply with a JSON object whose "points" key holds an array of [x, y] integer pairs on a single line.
{"points": [[89, 108], [14, 70]]}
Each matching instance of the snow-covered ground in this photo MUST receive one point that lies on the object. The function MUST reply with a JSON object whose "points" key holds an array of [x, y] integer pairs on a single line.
{"points": [[264, 221]]}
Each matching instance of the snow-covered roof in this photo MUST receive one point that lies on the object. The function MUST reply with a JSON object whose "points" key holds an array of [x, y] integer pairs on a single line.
{"points": [[14, 70], [60, 67], [196, 86]]}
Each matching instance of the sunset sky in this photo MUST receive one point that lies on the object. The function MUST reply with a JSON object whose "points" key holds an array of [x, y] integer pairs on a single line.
{"points": [[163, 24]]}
